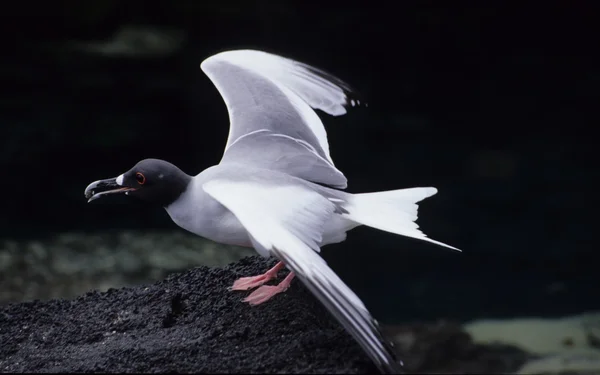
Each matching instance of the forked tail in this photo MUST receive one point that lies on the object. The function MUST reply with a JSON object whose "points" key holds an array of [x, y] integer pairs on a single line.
{"points": [[393, 211]]}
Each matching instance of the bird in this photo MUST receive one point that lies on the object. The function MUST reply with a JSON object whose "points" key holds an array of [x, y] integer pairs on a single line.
{"points": [[276, 188]]}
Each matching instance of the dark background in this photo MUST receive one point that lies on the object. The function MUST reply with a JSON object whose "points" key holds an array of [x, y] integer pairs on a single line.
{"points": [[493, 106]]}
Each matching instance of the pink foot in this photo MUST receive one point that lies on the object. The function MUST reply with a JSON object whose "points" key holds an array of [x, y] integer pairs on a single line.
{"points": [[265, 292], [245, 283]]}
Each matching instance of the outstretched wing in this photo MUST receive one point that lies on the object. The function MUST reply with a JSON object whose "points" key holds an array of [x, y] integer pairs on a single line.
{"points": [[287, 222], [270, 100]]}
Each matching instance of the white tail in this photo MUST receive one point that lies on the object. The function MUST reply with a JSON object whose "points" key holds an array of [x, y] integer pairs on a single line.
{"points": [[393, 211]]}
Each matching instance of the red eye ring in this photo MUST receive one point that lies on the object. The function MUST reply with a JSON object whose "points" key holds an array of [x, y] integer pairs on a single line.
{"points": [[140, 178]]}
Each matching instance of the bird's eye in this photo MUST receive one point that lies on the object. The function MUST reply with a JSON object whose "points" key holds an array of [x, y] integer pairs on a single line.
{"points": [[140, 178]]}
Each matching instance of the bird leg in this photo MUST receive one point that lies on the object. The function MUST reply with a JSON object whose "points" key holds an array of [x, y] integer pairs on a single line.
{"points": [[265, 292], [245, 283]]}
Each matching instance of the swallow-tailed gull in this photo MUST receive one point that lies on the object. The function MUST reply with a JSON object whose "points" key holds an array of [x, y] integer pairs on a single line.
{"points": [[276, 188]]}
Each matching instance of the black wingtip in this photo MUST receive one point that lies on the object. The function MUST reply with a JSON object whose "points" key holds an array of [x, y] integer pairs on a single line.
{"points": [[353, 97], [396, 366]]}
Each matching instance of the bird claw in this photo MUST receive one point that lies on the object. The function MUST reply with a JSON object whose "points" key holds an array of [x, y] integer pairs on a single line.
{"points": [[245, 283], [263, 294]]}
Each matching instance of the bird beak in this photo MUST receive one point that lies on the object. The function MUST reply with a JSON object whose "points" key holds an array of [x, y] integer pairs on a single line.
{"points": [[104, 187]]}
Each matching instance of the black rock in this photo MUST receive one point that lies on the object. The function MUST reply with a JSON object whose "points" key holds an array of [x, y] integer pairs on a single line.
{"points": [[443, 347], [189, 322]]}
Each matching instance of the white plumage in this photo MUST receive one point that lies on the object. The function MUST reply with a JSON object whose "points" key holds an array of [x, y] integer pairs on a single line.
{"points": [[277, 150], [303, 85], [276, 188]]}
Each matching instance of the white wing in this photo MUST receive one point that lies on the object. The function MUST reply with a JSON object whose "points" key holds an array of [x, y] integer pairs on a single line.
{"points": [[271, 99], [287, 221]]}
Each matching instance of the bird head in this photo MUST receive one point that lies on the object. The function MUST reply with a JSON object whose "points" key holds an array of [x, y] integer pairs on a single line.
{"points": [[152, 180]]}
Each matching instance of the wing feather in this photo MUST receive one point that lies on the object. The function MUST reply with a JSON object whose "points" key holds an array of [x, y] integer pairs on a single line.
{"points": [[266, 92], [287, 222]]}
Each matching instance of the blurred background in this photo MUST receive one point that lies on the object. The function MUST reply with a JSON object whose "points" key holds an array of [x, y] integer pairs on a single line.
{"points": [[492, 106]]}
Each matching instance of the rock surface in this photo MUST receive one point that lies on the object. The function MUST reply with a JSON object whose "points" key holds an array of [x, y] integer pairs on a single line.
{"points": [[190, 322], [444, 347]]}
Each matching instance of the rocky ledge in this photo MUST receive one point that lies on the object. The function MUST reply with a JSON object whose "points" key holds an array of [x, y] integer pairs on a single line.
{"points": [[190, 322]]}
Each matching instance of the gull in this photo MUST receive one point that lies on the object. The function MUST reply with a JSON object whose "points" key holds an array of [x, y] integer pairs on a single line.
{"points": [[276, 188]]}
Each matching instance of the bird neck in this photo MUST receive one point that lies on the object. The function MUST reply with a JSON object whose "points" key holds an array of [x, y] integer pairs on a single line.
{"points": [[179, 183]]}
